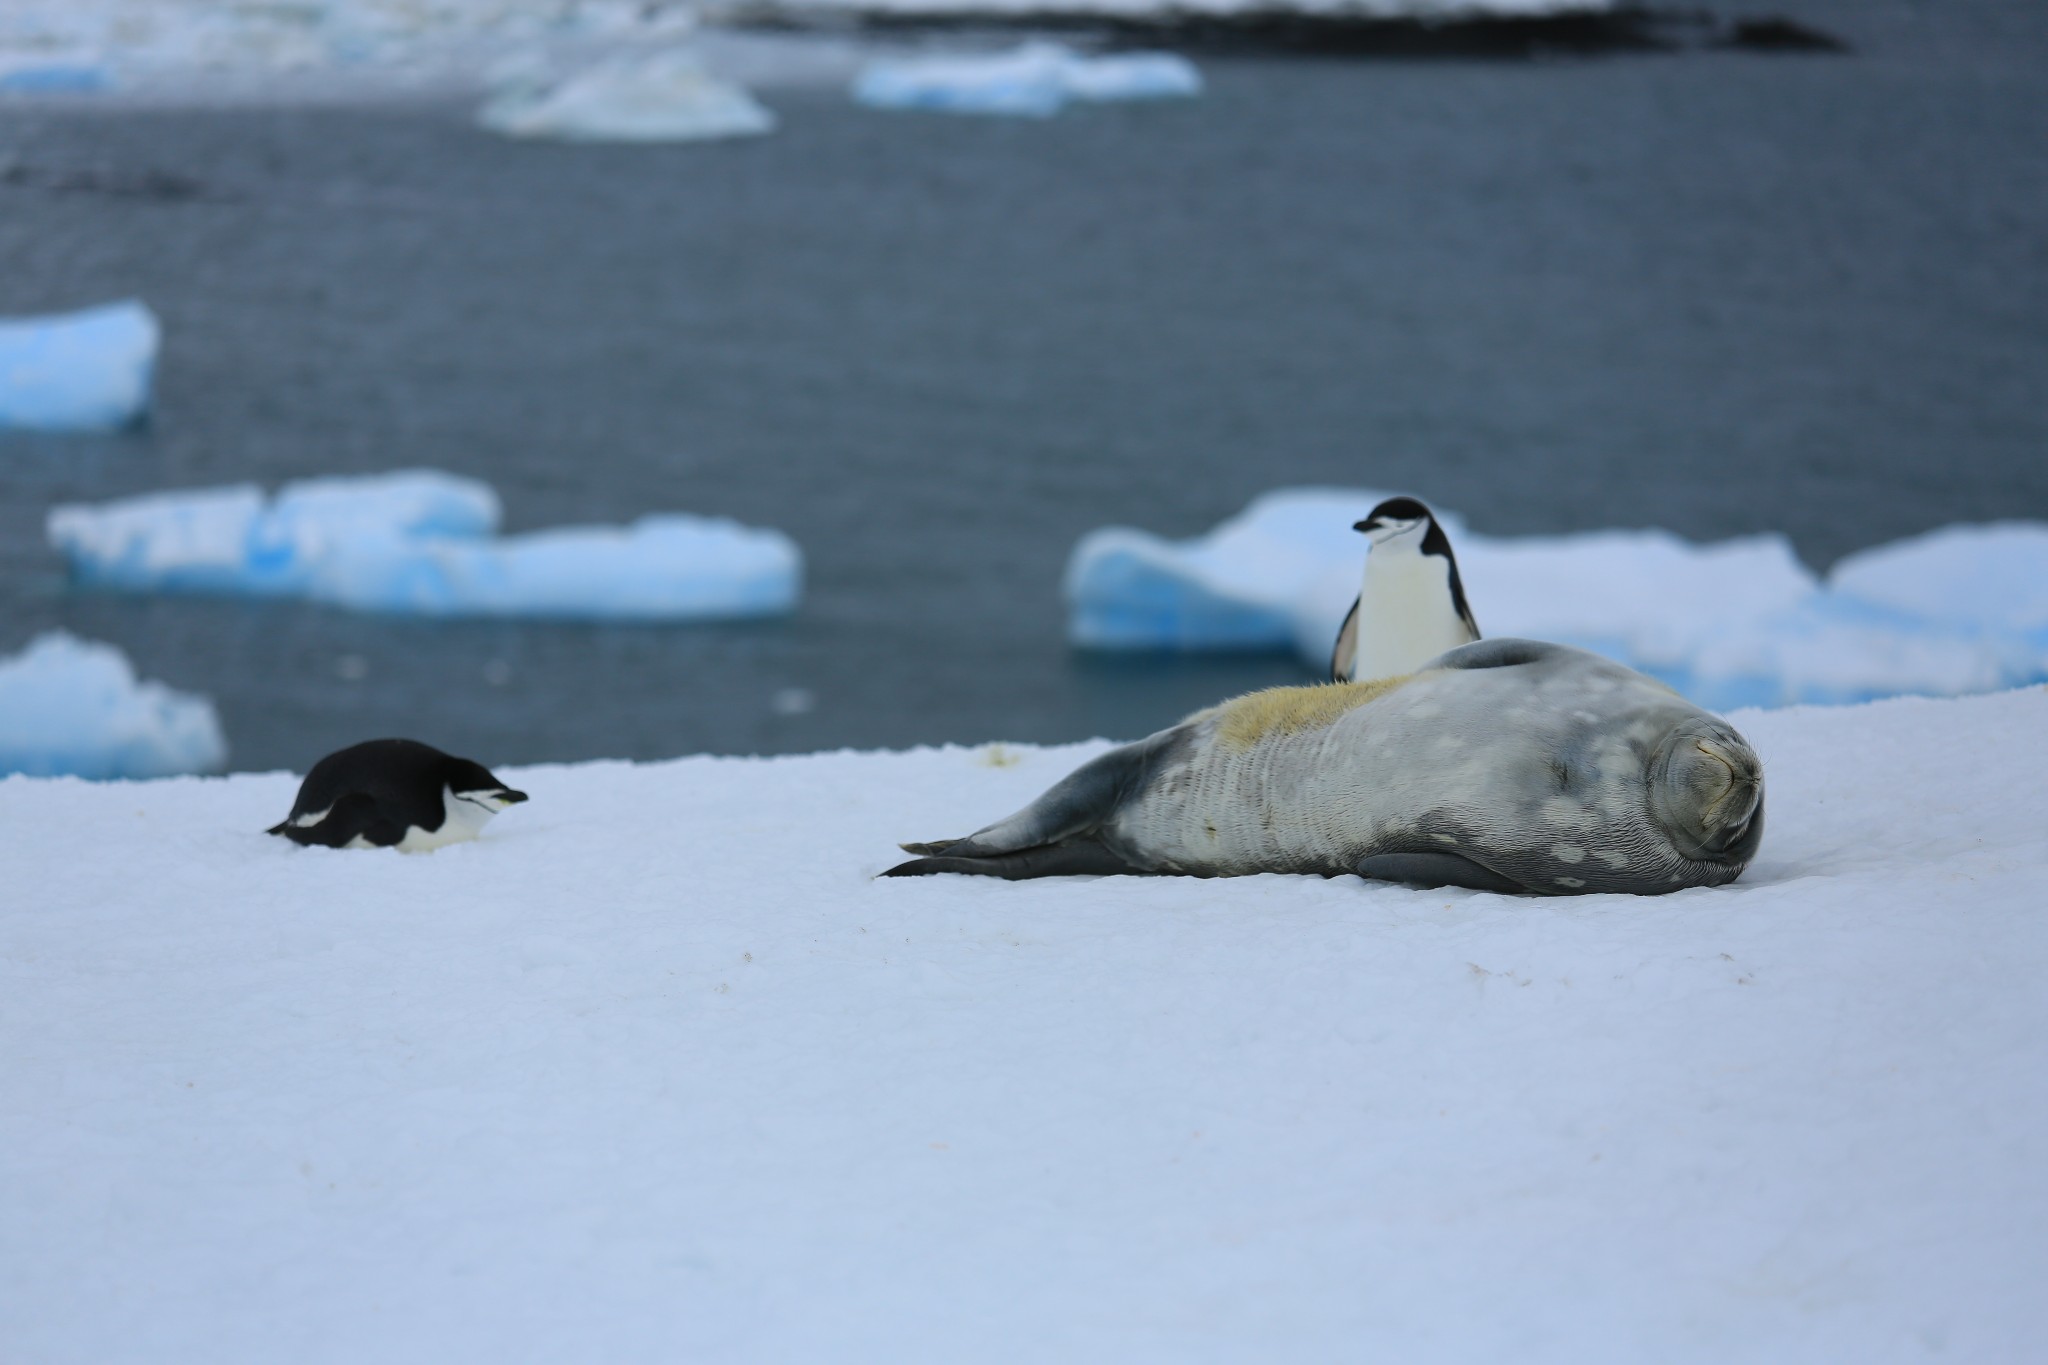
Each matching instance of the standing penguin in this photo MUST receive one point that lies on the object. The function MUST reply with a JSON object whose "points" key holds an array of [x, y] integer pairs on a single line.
{"points": [[388, 793], [1411, 606]]}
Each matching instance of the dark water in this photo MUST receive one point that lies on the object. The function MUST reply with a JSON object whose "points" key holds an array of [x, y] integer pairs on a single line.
{"points": [[1721, 293]]}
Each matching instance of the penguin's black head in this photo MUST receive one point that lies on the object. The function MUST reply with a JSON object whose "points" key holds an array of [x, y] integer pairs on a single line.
{"points": [[1402, 518], [472, 782]]}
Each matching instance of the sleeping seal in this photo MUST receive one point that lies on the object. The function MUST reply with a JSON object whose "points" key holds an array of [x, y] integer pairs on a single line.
{"points": [[1505, 765]]}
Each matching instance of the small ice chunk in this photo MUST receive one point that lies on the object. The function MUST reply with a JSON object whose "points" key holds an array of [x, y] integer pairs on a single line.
{"points": [[70, 706], [663, 96], [84, 371], [412, 502], [661, 568], [229, 540], [196, 539], [1133, 76], [421, 542], [1034, 80], [54, 78]]}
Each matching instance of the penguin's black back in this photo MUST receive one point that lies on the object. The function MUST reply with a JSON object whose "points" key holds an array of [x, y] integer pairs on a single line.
{"points": [[377, 789]]}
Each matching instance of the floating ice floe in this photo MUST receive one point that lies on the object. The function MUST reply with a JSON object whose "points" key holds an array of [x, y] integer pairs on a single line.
{"points": [[1035, 80], [657, 97], [422, 542], [53, 78], [84, 371], [72, 707], [1739, 623]]}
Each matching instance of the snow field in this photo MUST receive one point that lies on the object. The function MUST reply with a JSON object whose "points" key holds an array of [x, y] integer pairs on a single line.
{"points": [[655, 1070]]}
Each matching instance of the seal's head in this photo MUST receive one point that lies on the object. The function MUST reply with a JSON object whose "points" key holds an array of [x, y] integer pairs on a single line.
{"points": [[1707, 790]]}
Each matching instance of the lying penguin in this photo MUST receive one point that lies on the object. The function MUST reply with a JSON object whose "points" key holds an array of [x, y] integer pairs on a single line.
{"points": [[394, 793], [1411, 606], [1505, 765]]}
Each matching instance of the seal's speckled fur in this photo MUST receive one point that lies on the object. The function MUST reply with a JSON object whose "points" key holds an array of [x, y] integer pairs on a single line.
{"points": [[1507, 765]]}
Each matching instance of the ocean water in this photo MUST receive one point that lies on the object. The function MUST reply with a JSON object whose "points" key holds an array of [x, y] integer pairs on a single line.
{"points": [[1717, 292]]}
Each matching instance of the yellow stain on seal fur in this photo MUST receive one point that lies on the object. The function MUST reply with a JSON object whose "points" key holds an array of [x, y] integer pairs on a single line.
{"points": [[1244, 721]]}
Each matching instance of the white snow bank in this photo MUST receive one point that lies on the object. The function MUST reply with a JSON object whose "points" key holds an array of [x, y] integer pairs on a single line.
{"points": [[654, 1071], [1740, 623], [302, 36], [1426, 11], [1035, 79], [422, 542], [84, 371], [69, 706], [663, 96]]}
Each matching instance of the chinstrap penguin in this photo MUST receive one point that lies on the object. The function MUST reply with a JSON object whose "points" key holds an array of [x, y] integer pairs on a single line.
{"points": [[394, 793], [1411, 606]]}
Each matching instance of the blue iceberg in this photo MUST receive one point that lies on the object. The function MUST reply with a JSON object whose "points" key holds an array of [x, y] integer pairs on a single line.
{"points": [[69, 706], [87, 371], [1035, 80], [1739, 623], [424, 543]]}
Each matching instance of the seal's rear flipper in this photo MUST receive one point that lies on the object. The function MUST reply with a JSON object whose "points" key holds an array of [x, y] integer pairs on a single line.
{"points": [[1070, 810], [930, 850], [1051, 860], [1436, 869]]}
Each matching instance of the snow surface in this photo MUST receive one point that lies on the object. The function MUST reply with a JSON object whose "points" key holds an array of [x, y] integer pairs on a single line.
{"points": [[422, 542], [70, 706], [655, 1071], [1035, 79], [83, 371], [662, 96], [1739, 623]]}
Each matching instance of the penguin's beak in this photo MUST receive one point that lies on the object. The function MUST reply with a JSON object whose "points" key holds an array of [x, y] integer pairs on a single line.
{"points": [[508, 796], [1386, 528]]}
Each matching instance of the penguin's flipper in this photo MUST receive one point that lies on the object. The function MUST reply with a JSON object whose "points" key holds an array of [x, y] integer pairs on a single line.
{"points": [[1071, 809], [353, 816], [1437, 869], [1347, 646], [1083, 859]]}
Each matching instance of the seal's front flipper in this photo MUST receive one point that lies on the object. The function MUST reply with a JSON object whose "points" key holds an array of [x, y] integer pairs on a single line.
{"points": [[1437, 869], [1053, 860]]}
